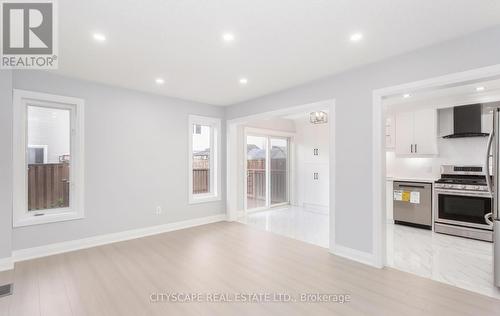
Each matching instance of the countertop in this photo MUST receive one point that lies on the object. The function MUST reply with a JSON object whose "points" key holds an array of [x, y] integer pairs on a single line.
{"points": [[412, 179]]}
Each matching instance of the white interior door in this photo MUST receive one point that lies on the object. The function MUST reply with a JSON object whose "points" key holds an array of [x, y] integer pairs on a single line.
{"points": [[316, 185]]}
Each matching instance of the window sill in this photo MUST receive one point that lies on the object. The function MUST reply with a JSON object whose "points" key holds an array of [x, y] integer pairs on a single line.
{"points": [[203, 199], [29, 220]]}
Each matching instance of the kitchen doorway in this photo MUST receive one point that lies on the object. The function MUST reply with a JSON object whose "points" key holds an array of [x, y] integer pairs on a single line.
{"points": [[432, 158]]}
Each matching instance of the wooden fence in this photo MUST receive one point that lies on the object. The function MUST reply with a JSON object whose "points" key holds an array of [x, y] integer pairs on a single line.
{"points": [[48, 186], [256, 185], [201, 181], [279, 192]]}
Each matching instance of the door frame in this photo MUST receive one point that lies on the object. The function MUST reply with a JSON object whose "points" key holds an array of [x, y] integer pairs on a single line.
{"points": [[378, 143], [233, 211], [268, 134]]}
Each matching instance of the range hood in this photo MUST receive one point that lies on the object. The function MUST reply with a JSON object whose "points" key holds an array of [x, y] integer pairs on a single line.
{"points": [[467, 121]]}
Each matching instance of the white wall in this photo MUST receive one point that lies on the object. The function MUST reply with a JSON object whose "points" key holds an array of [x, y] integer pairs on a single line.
{"points": [[276, 124], [135, 159], [309, 136], [5, 163], [352, 123]]}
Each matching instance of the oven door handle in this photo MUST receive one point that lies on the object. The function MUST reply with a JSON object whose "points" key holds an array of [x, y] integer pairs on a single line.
{"points": [[487, 164], [462, 193], [411, 186], [487, 218]]}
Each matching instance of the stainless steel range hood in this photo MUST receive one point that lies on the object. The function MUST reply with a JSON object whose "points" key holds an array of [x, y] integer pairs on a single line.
{"points": [[467, 122]]}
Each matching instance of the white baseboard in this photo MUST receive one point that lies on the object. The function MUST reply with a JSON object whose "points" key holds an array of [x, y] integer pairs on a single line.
{"points": [[6, 264], [61, 247], [355, 255]]}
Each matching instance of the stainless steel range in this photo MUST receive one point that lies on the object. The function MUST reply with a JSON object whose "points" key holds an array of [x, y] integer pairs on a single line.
{"points": [[461, 202]]}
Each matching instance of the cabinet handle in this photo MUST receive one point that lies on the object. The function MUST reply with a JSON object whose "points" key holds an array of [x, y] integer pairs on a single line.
{"points": [[411, 148], [416, 148]]}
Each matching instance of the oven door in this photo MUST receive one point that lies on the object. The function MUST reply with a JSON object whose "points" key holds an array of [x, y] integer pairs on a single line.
{"points": [[462, 208]]}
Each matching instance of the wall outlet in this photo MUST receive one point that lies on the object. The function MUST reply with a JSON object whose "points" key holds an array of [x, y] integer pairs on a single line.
{"points": [[159, 210]]}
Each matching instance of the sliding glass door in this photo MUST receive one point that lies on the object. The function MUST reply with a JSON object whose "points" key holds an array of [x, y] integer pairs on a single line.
{"points": [[279, 170], [266, 171], [256, 172]]}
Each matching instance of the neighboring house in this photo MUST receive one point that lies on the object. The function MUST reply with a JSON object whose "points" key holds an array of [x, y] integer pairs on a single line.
{"points": [[201, 159], [257, 156]]}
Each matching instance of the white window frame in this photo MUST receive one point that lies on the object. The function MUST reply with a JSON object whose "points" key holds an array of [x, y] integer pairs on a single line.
{"points": [[215, 163], [21, 216]]}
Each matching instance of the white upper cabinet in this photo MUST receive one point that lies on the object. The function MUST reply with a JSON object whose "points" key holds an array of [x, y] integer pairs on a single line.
{"points": [[404, 133], [425, 131], [416, 133]]}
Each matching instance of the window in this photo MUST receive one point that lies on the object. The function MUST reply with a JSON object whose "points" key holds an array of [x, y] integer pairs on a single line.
{"points": [[48, 164], [204, 164]]}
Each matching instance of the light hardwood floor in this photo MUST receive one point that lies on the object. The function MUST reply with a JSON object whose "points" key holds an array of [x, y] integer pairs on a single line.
{"points": [[117, 279]]}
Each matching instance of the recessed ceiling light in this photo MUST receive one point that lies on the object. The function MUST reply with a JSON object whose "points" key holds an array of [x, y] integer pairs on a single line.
{"points": [[160, 81], [99, 37], [243, 81], [356, 37], [480, 88], [406, 95], [228, 37]]}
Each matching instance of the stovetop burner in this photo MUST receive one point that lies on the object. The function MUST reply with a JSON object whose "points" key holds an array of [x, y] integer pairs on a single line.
{"points": [[467, 181], [462, 178]]}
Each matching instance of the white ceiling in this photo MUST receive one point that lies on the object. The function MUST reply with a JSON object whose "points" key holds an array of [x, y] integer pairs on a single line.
{"points": [[278, 43], [444, 97]]}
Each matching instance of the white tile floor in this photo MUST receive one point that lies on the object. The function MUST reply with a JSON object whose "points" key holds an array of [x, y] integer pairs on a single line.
{"points": [[458, 261], [294, 222], [461, 262]]}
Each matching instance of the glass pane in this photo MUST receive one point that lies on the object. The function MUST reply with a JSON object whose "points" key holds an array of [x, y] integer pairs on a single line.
{"points": [[279, 170], [256, 172], [464, 208], [48, 157], [201, 159]]}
